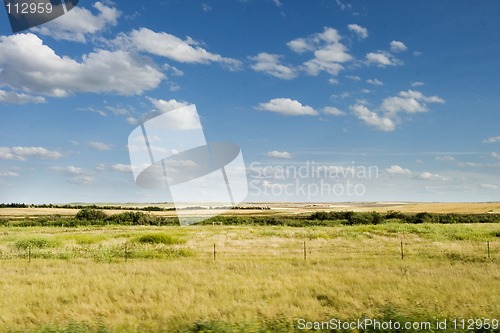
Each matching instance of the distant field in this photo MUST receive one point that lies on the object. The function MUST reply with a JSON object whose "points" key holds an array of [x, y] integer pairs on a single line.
{"points": [[262, 278], [286, 208]]}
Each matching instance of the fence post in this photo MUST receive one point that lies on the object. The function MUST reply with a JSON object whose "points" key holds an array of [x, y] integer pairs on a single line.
{"points": [[305, 251], [402, 251], [488, 249], [214, 251], [29, 253]]}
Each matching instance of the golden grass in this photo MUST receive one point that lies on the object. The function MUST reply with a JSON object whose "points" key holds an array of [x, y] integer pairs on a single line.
{"points": [[259, 277], [284, 209]]}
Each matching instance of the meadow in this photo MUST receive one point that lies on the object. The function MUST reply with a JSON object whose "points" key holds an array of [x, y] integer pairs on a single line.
{"points": [[246, 278]]}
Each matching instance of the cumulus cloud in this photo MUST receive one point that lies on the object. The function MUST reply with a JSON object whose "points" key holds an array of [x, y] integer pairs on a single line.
{"points": [[186, 120], [431, 176], [375, 82], [360, 31], [171, 47], [270, 64], [24, 153], [381, 59], [76, 175], [13, 97], [417, 84], [397, 46], [388, 114], [279, 154], [492, 139], [125, 168], [333, 111], [100, 146], [445, 158], [373, 119], [78, 23], [70, 170], [287, 107], [9, 174], [398, 170], [329, 52], [489, 186], [31, 66]]}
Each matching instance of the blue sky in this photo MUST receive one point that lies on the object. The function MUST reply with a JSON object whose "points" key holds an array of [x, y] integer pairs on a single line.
{"points": [[409, 89]]}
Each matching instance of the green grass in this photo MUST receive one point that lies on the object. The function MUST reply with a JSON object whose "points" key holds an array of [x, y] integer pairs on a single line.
{"points": [[165, 279]]}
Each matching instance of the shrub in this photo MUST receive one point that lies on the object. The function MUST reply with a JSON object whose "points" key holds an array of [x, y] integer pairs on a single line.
{"points": [[160, 238], [35, 242], [91, 214]]}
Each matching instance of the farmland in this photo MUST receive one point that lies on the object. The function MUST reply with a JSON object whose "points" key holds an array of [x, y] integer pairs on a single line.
{"points": [[255, 278]]}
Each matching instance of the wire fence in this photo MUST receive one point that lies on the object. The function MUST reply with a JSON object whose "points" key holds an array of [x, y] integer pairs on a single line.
{"points": [[469, 251]]}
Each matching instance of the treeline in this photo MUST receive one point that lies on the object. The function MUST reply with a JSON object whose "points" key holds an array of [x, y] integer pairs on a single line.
{"points": [[75, 206], [145, 209], [351, 218], [93, 216]]}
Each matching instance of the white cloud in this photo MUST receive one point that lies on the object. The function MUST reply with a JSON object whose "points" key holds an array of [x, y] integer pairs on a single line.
{"points": [[333, 81], [270, 64], [381, 59], [186, 120], [446, 158], [100, 146], [287, 107], [375, 82], [387, 116], [398, 170], [343, 5], [70, 170], [492, 139], [301, 45], [495, 155], [419, 96], [397, 46], [24, 153], [333, 111], [279, 154], [13, 97], [169, 46], [29, 65], [353, 77], [430, 176], [417, 84], [206, 8], [126, 168], [359, 30], [329, 52], [80, 22], [166, 106], [396, 104], [409, 101], [8, 174], [489, 186], [373, 119]]}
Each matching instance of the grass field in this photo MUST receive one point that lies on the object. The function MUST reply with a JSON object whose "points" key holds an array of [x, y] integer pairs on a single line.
{"points": [[165, 279]]}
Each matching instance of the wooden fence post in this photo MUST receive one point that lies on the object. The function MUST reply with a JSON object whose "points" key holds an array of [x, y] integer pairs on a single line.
{"points": [[402, 251], [305, 251], [214, 251]]}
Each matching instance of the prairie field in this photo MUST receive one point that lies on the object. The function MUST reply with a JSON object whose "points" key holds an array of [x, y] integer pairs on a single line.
{"points": [[217, 278]]}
